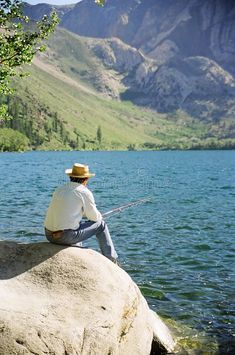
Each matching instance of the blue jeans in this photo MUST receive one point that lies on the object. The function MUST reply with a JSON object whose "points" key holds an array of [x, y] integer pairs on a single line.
{"points": [[85, 231]]}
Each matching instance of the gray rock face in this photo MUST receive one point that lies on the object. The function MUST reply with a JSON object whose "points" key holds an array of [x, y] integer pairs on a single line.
{"points": [[187, 27], [58, 300], [117, 55], [177, 84]]}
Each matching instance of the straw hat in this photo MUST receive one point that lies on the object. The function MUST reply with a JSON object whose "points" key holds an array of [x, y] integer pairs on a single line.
{"points": [[79, 171]]}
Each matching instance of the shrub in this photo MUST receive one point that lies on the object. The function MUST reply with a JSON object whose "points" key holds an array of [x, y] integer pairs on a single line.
{"points": [[11, 140]]}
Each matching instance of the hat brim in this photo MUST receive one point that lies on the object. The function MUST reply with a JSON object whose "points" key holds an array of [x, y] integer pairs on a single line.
{"points": [[70, 173]]}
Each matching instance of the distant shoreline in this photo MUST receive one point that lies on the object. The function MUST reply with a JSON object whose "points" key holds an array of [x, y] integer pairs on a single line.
{"points": [[118, 150]]}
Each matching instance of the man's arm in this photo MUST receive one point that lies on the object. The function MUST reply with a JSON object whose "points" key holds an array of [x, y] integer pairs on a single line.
{"points": [[89, 206]]}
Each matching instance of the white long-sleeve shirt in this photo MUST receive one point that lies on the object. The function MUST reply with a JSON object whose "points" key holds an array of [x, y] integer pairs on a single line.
{"points": [[69, 204]]}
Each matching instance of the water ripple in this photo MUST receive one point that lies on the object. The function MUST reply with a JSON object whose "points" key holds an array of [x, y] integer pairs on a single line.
{"points": [[179, 248]]}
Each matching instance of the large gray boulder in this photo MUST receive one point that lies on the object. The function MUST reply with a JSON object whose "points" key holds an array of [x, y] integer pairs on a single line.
{"points": [[67, 300]]}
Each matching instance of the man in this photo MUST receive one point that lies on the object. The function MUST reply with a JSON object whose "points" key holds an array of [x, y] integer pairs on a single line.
{"points": [[69, 204]]}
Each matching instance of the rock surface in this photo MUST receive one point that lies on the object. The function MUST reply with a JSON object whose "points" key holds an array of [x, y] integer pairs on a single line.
{"points": [[66, 300]]}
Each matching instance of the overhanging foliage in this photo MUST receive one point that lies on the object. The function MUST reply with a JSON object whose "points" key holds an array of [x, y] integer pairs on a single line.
{"points": [[19, 41]]}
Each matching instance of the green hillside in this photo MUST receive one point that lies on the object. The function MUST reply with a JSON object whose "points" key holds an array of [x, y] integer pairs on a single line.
{"points": [[59, 107]]}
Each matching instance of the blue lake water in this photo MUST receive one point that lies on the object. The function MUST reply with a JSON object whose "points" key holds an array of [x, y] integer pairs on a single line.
{"points": [[179, 247]]}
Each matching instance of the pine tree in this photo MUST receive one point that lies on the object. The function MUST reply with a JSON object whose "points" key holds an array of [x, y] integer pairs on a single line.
{"points": [[99, 134]]}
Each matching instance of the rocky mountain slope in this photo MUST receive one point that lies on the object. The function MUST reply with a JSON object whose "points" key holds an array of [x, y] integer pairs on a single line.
{"points": [[196, 85], [71, 92], [69, 95], [162, 29], [171, 55]]}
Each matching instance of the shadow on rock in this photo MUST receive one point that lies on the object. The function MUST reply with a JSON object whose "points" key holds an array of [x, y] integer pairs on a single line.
{"points": [[16, 259]]}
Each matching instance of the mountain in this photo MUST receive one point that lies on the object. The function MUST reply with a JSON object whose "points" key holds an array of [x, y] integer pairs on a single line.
{"points": [[69, 95], [172, 55], [162, 29], [150, 74]]}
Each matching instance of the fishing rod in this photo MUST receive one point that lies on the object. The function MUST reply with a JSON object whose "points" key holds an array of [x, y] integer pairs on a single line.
{"points": [[118, 209], [122, 208]]}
